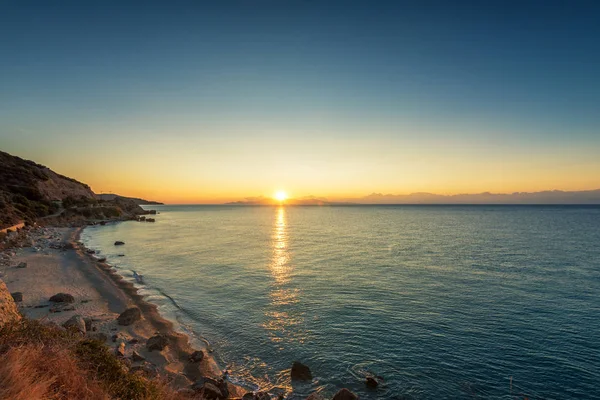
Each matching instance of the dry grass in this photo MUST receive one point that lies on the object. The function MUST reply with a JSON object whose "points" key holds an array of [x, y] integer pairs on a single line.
{"points": [[35, 372], [43, 362]]}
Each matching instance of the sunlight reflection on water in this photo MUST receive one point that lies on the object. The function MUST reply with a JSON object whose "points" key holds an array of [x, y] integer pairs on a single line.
{"points": [[280, 316]]}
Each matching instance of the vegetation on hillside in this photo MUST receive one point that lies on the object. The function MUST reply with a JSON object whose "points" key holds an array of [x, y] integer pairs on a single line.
{"points": [[21, 198], [41, 361]]}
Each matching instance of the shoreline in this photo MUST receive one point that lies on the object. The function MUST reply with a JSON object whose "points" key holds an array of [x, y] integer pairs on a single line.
{"points": [[101, 295]]}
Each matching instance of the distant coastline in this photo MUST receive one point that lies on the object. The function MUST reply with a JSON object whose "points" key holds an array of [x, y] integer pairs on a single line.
{"points": [[547, 197]]}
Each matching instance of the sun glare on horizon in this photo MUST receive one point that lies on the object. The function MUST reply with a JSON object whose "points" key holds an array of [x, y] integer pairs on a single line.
{"points": [[280, 196]]}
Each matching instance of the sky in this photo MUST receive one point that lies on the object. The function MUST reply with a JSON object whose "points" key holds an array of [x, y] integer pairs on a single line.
{"points": [[200, 102]]}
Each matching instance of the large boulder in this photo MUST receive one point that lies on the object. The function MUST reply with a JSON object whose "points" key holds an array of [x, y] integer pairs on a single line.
{"points": [[8, 308], [211, 392], [129, 316], [75, 323], [345, 394], [62, 298], [157, 342], [300, 372], [207, 386], [17, 297], [196, 356]]}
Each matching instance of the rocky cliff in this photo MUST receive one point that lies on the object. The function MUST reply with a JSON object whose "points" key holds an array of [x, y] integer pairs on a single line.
{"points": [[8, 308], [28, 190]]}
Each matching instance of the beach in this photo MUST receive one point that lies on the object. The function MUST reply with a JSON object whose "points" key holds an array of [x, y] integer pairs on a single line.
{"points": [[53, 262]]}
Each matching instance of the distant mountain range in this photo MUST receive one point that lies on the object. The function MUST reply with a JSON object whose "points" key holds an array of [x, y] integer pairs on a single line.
{"points": [[302, 201], [544, 197]]}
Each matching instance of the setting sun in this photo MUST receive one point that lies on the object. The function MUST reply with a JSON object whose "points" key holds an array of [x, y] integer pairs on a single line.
{"points": [[280, 195]]}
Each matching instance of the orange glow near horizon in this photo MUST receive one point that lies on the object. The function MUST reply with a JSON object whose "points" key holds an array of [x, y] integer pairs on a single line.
{"points": [[280, 196]]}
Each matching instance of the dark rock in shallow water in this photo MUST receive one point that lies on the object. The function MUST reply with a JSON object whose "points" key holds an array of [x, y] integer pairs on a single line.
{"points": [[17, 297], [129, 316], [157, 342], [345, 394], [196, 356], [300, 372], [77, 323], [119, 243], [371, 382], [62, 298], [22, 265], [315, 396]]}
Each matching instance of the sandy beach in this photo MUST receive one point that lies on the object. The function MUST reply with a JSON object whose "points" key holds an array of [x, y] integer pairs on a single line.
{"points": [[57, 263]]}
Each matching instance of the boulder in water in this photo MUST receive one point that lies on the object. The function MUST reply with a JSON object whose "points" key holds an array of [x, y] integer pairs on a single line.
{"points": [[345, 394], [300, 372], [119, 243], [371, 382]]}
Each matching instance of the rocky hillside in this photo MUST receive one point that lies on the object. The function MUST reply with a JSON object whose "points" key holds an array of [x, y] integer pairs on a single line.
{"points": [[112, 197], [29, 191]]}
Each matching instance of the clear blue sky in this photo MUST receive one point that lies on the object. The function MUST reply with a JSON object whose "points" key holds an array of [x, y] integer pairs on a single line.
{"points": [[318, 97]]}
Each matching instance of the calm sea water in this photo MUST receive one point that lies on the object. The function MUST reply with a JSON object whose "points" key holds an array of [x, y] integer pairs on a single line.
{"points": [[444, 302]]}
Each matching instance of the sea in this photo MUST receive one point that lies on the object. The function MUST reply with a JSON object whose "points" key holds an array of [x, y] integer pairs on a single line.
{"points": [[438, 302]]}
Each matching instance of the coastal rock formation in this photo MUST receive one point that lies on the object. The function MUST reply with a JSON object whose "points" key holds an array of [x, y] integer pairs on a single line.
{"points": [[196, 356], [129, 316], [75, 323], [345, 394], [300, 372], [211, 388], [8, 308], [17, 297], [62, 298], [210, 392], [157, 342]]}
